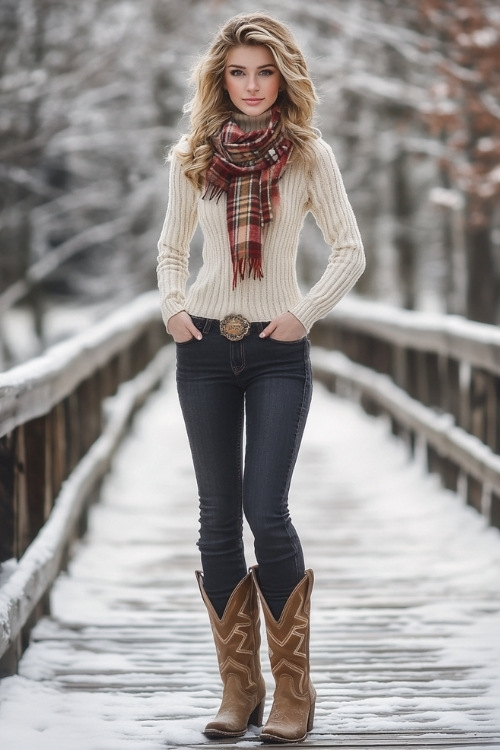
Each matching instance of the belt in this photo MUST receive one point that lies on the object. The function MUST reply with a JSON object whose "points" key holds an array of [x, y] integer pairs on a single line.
{"points": [[234, 327]]}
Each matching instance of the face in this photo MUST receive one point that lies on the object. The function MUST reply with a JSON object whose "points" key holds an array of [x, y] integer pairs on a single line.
{"points": [[252, 79]]}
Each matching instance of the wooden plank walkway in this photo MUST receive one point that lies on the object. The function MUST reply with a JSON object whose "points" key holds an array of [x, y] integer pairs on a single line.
{"points": [[406, 609]]}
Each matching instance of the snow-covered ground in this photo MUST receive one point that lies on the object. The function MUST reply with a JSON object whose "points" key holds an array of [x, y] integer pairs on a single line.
{"points": [[406, 609]]}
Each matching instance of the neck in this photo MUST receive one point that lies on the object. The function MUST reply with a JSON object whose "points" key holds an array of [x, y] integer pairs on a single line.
{"points": [[247, 122]]}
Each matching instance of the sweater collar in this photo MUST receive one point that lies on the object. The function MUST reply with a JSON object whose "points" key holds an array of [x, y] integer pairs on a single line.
{"points": [[248, 123]]}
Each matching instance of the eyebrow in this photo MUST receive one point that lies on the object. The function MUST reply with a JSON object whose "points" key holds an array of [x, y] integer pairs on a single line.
{"points": [[243, 67]]}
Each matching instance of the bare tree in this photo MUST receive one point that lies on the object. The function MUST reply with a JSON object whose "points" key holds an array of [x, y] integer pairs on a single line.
{"points": [[464, 114]]}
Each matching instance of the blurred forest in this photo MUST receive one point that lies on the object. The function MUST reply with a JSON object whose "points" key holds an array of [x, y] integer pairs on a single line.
{"points": [[91, 97]]}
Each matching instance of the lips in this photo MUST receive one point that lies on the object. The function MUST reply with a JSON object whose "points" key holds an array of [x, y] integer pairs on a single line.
{"points": [[253, 101]]}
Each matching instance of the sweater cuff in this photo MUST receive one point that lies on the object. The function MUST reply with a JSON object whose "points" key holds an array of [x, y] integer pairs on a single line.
{"points": [[304, 314], [169, 310]]}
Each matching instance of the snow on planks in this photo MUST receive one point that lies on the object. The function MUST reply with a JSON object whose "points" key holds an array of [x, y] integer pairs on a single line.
{"points": [[406, 608]]}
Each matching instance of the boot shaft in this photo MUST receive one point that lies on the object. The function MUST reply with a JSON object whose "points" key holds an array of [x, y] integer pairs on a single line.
{"points": [[288, 637], [292, 712], [237, 633]]}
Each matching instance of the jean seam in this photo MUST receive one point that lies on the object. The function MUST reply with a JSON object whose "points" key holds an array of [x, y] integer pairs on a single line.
{"points": [[241, 347], [240, 469]]}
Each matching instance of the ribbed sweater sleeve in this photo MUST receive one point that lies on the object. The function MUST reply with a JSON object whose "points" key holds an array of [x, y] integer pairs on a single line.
{"points": [[173, 245], [333, 213]]}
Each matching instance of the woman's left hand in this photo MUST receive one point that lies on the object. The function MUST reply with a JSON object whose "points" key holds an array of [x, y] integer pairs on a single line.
{"points": [[285, 327]]}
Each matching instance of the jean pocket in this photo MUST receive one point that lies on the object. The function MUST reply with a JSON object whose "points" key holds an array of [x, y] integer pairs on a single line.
{"points": [[288, 343]]}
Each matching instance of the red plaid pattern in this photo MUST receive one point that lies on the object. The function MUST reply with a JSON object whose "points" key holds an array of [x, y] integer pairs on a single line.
{"points": [[247, 166]]}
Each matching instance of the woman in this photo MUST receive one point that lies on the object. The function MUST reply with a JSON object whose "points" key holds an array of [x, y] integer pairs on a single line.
{"points": [[248, 171]]}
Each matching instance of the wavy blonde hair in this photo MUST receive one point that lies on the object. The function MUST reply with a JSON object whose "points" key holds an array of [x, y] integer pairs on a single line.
{"points": [[211, 106]]}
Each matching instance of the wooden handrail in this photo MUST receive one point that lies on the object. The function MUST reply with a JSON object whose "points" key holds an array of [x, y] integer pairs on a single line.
{"points": [[33, 388], [452, 336], [436, 376], [62, 416]]}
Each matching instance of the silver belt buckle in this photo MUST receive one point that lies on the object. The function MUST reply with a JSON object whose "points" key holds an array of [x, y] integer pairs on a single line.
{"points": [[234, 327]]}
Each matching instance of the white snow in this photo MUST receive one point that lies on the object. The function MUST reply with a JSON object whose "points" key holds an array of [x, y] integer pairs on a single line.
{"points": [[486, 37], [446, 198], [406, 606], [494, 175]]}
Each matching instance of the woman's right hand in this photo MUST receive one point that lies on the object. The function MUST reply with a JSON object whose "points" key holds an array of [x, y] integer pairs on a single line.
{"points": [[182, 328]]}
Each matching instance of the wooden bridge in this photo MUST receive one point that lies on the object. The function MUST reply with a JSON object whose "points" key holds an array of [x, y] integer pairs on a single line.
{"points": [[104, 642]]}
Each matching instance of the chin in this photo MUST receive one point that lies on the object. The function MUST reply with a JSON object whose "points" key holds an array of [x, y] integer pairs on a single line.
{"points": [[255, 111]]}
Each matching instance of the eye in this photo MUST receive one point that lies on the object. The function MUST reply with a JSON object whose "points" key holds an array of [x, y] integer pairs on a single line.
{"points": [[235, 72], [267, 72]]}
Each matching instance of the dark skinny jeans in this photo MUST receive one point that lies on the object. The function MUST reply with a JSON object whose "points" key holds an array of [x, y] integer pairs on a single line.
{"points": [[265, 386]]}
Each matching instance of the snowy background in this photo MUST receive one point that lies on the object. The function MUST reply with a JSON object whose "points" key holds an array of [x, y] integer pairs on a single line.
{"points": [[91, 96], [407, 578]]}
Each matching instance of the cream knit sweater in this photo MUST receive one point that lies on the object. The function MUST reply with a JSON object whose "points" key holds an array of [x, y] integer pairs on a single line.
{"points": [[211, 295]]}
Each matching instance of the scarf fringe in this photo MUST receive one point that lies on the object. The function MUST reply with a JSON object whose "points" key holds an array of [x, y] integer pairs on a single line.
{"points": [[213, 192], [254, 269]]}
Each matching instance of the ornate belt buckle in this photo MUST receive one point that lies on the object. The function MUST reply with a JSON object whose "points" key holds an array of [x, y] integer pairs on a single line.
{"points": [[234, 327]]}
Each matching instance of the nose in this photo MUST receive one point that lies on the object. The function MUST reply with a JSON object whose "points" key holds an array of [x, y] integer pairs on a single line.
{"points": [[252, 83]]}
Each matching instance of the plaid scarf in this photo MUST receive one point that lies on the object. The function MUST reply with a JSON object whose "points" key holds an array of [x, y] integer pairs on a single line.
{"points": [[247, 166]]}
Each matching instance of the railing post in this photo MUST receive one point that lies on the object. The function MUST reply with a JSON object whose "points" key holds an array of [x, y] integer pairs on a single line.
{"points": [[89, 412], [399, 368], [495, 510], [483, 400], [450, 474], [10, 660], [412, 373], [464, 414], [7, 504], [14, 509], [450, 387], [433, 381], [474, 493], [496, 443], [72, 436], [22, 522], [38, 461], [59, 472]]}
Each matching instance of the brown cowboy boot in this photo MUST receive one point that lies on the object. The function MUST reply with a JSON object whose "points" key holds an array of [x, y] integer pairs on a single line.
{"points": [[292, 712], [237, 641]]}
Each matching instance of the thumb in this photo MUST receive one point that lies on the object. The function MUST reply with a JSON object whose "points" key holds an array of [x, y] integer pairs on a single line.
{"points": [[267, 330], [196, 333]]}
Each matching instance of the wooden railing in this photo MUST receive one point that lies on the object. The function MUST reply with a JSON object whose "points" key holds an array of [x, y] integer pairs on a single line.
{"points": [[61, 418], [436, 377]]}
